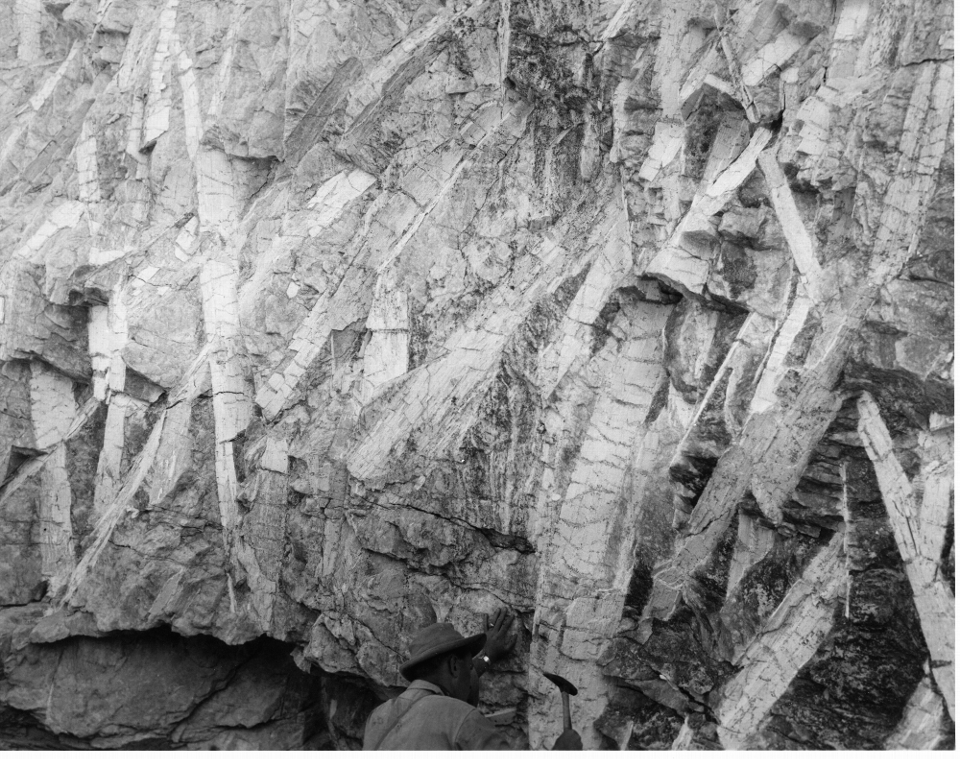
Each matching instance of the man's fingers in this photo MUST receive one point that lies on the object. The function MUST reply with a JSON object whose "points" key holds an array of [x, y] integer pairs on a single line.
{"points": [[499, 628]]}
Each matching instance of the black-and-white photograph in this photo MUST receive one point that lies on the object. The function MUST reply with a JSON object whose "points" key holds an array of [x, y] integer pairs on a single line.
{"points": [[428, 375]]}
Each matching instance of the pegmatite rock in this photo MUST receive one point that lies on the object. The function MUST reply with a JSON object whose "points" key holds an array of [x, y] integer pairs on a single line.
{"points": [[321, 321]]}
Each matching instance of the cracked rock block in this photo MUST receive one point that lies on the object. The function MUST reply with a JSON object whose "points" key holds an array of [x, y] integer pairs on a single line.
{"points": [[323, 320], [34, 327], [21, 564], [15, 416], [250, 121]]}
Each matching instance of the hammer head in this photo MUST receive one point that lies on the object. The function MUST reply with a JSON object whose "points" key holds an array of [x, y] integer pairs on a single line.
{"points": [[564, 685]]}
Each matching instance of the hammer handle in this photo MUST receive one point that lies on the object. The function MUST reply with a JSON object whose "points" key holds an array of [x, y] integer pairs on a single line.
{"points": [[567, 722]]}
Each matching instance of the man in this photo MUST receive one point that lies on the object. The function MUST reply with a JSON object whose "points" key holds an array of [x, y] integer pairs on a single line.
{"points": [[437, 711]]}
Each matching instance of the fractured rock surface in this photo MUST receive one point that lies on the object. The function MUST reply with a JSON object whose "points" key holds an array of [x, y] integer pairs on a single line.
{"points": [[156, 690], [321, 321]]}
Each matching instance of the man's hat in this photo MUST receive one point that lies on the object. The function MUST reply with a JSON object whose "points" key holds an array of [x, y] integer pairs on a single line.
{"points": [[439, 638]]}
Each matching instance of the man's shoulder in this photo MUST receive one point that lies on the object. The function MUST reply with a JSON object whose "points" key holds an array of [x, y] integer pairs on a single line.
{"points": [[434, 697], [446, 710], [383, 708], [465, 725], [447, 705], [431, 702]]}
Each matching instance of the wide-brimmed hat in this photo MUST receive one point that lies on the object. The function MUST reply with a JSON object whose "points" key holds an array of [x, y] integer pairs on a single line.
{"points": [[439, 638]]}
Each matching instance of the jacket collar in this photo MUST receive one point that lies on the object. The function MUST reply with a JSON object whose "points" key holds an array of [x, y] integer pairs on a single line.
{"points": [[427, 685]]}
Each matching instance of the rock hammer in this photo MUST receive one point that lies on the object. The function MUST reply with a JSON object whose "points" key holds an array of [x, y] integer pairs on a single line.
{"points": [[567, 689]]}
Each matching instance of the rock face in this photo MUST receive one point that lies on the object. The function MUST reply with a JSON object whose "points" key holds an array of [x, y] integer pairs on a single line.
{"points": [[151, 690], [321, 321]]}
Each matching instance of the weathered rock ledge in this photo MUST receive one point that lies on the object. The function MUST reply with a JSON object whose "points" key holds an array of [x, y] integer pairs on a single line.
{"points": [[321, 320]]}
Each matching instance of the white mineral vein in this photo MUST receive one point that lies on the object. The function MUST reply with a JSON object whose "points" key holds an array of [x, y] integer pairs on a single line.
{"points": [[934, 601], [29, 15], [156, 118], [791, 635], [321, 320], [919, 727], [794, 230], [232, 406]]}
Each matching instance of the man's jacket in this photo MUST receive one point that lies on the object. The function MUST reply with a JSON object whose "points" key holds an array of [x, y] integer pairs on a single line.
{"points": [[422, 718]]}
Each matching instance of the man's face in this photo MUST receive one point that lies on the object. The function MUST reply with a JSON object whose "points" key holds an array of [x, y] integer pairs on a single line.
{"points": [[474, 698], [463, 678]]}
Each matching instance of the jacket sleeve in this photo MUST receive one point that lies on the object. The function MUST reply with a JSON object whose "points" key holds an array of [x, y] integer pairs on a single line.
{"points": [[477, 733]]}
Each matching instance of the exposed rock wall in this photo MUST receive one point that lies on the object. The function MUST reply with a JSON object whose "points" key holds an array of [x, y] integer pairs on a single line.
{"points": [[151, 690], [322, 320]]}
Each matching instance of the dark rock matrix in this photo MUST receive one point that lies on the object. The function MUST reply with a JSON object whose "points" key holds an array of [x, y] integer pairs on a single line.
{"points": [[322, 320]]}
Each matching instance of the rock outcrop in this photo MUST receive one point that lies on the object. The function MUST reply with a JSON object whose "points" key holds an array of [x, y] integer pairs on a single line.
{"points": [[322, 320]]}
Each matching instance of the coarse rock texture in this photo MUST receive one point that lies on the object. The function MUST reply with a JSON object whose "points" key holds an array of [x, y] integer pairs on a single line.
{"points": [[321, 320], [150, 690]]}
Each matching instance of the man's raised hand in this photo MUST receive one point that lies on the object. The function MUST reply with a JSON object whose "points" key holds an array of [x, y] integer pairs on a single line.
{"points": [[500, 641]]}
